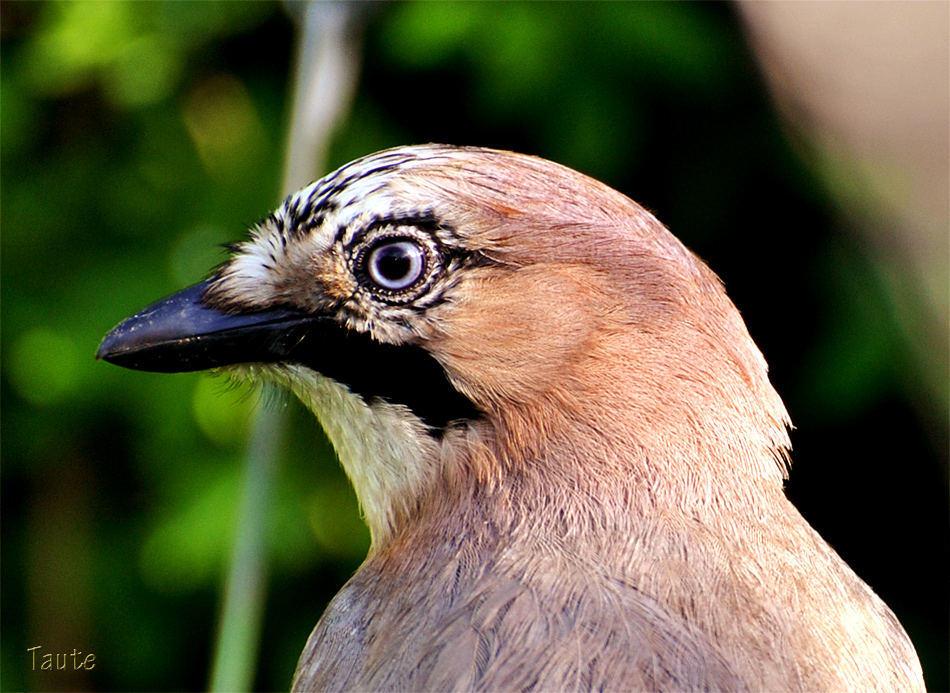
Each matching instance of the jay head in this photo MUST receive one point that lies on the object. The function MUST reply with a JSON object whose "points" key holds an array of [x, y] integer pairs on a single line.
{"points": [[562, 437]]}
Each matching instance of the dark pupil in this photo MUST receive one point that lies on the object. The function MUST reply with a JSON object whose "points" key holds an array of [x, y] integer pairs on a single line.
{"points": [[393, 262]]}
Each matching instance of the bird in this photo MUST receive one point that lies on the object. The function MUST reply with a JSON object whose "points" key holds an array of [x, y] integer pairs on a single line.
{"points": [[563, 439]]}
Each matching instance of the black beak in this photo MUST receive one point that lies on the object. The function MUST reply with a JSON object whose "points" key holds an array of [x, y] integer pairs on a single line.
{"points": [[181, 333]]}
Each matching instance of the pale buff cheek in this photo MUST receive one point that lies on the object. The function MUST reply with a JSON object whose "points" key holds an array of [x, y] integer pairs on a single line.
{"points": [[495, 341]]}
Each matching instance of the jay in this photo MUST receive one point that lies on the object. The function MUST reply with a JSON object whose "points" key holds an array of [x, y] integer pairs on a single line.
{"points": [[563, 439]]}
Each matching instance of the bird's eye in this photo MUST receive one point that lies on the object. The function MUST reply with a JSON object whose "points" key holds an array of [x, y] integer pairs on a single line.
{"points": [[396, 264]]}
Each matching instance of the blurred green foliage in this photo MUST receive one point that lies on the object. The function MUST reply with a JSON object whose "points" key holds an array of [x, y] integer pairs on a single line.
{"points": [[138, 137]]}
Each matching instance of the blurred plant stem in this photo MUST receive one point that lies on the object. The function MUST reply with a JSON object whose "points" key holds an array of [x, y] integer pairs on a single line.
{"points": [[327, 69], [241, 618]]}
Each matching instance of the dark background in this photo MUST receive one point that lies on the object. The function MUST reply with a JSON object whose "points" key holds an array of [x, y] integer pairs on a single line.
{"points": [[137, 137]]}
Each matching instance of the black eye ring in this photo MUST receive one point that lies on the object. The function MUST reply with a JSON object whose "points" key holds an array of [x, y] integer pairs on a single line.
{"points": [[396, 264]]}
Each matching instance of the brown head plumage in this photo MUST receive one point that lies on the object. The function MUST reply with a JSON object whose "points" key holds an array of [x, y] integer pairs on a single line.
{"points": [[564, 440]]}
